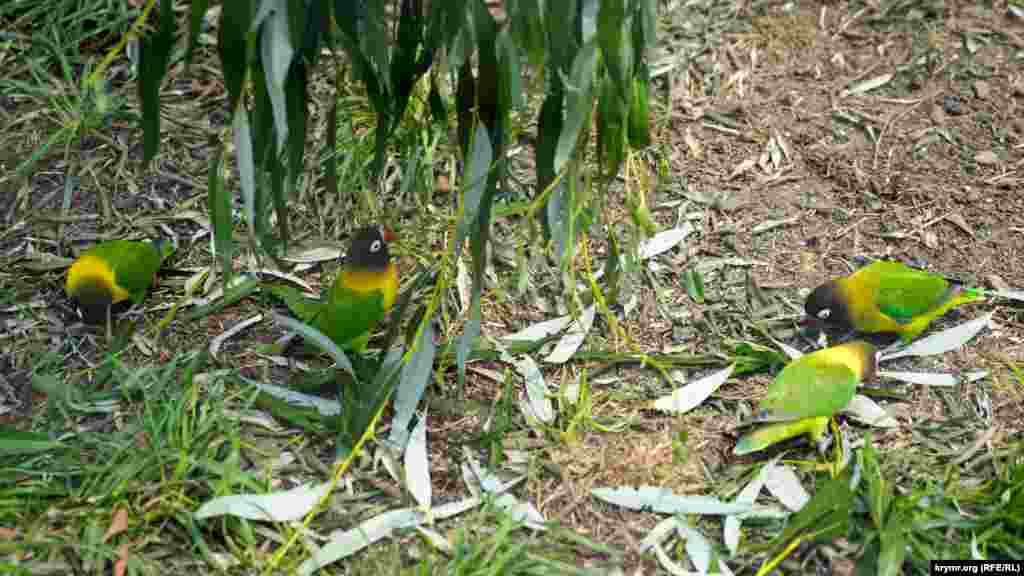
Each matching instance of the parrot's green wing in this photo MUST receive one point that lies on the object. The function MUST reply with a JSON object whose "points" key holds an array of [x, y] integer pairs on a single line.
{"points": [[765, 436], [348, 316], [905, 292], [134, 264], [806, 388], [341, 314]]}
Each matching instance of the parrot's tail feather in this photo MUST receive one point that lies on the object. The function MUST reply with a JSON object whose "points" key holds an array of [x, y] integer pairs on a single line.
{"points": [[774, 433], [1008, 294]]}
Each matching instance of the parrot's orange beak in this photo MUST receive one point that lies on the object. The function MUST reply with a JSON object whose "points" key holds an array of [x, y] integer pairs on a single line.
{"points": [[388, 235]]}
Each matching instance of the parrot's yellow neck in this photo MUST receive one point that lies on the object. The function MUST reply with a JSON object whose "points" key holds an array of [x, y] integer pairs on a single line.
{"points": [[91, 276], [372, 280], [858, 356]]}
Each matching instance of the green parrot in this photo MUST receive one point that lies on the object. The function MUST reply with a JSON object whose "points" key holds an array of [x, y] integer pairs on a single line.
{"points": [[362, 293], [885, 297], [113, 272], [808, 392]]}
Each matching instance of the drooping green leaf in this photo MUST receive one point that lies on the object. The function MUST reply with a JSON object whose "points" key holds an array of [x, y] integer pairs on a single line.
{"points": [[527, 26], [276, 52], [413, 383], [318, 339], [220, 215], [611, 128], [154, 56], [579, 103], [639, 113], [477, 172], [246, 167], [610, 21], [197, 12], [233, 46]]}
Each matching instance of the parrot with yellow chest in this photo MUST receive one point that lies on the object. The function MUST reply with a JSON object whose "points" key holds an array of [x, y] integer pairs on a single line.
{"points": [[808, 392], [885, 297], [114, 272], [360, 295]]}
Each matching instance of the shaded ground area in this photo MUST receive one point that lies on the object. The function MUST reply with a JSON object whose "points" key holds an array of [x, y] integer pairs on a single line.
{"points": [[794, 138]]}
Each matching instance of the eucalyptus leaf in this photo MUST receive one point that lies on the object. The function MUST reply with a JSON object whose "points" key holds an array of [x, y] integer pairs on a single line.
{"points": [[869, 412], [924, 378], [664, 501], [573, 338], [540, 405], [782, 483], [274, 507], [684, 399], [417, 465], [346, 543], [946, 341]]}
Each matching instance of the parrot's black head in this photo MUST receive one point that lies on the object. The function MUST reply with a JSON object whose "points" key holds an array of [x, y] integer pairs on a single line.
{"points": [[91, 302], [827, 310], [369, 248]]}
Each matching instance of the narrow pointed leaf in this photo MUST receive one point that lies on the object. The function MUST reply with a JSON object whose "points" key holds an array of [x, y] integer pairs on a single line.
{"points": [[664, 241], [276, 52], [924, 378], [946, 341], [246, 167], [664, 501], [415, 377], [782, 483], [580, 103], [540, 405], [658, 534], [540, 330], [684, 399], [869, 412], [318, 339], [697, 547], [748, 495], [274, 507], [573, 338], [325, 406], [344, 544], [220, 216], [417, 465], [476, 183]]}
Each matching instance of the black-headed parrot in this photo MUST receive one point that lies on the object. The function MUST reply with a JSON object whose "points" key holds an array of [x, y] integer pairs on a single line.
{"points": [[360, 295], [808, 392], [885, 297], [113, 272]]}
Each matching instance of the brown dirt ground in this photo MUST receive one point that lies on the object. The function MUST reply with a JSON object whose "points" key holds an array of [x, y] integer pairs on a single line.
{"points": [[891, 172]]}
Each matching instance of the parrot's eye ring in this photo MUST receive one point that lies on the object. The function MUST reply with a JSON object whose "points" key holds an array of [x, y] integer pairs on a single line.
{"points": [[375, 246], [824, 313]]}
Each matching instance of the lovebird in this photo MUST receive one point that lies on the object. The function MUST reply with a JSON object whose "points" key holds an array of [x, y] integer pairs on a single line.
{"points": [[885, 297], [360, 295], [113, 272], [808, 392]]}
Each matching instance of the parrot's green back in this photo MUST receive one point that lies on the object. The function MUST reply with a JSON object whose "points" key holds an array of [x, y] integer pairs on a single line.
{"points": [[807, 393], [341, 314], [134, 264], [903, 292], [807, 388]]}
